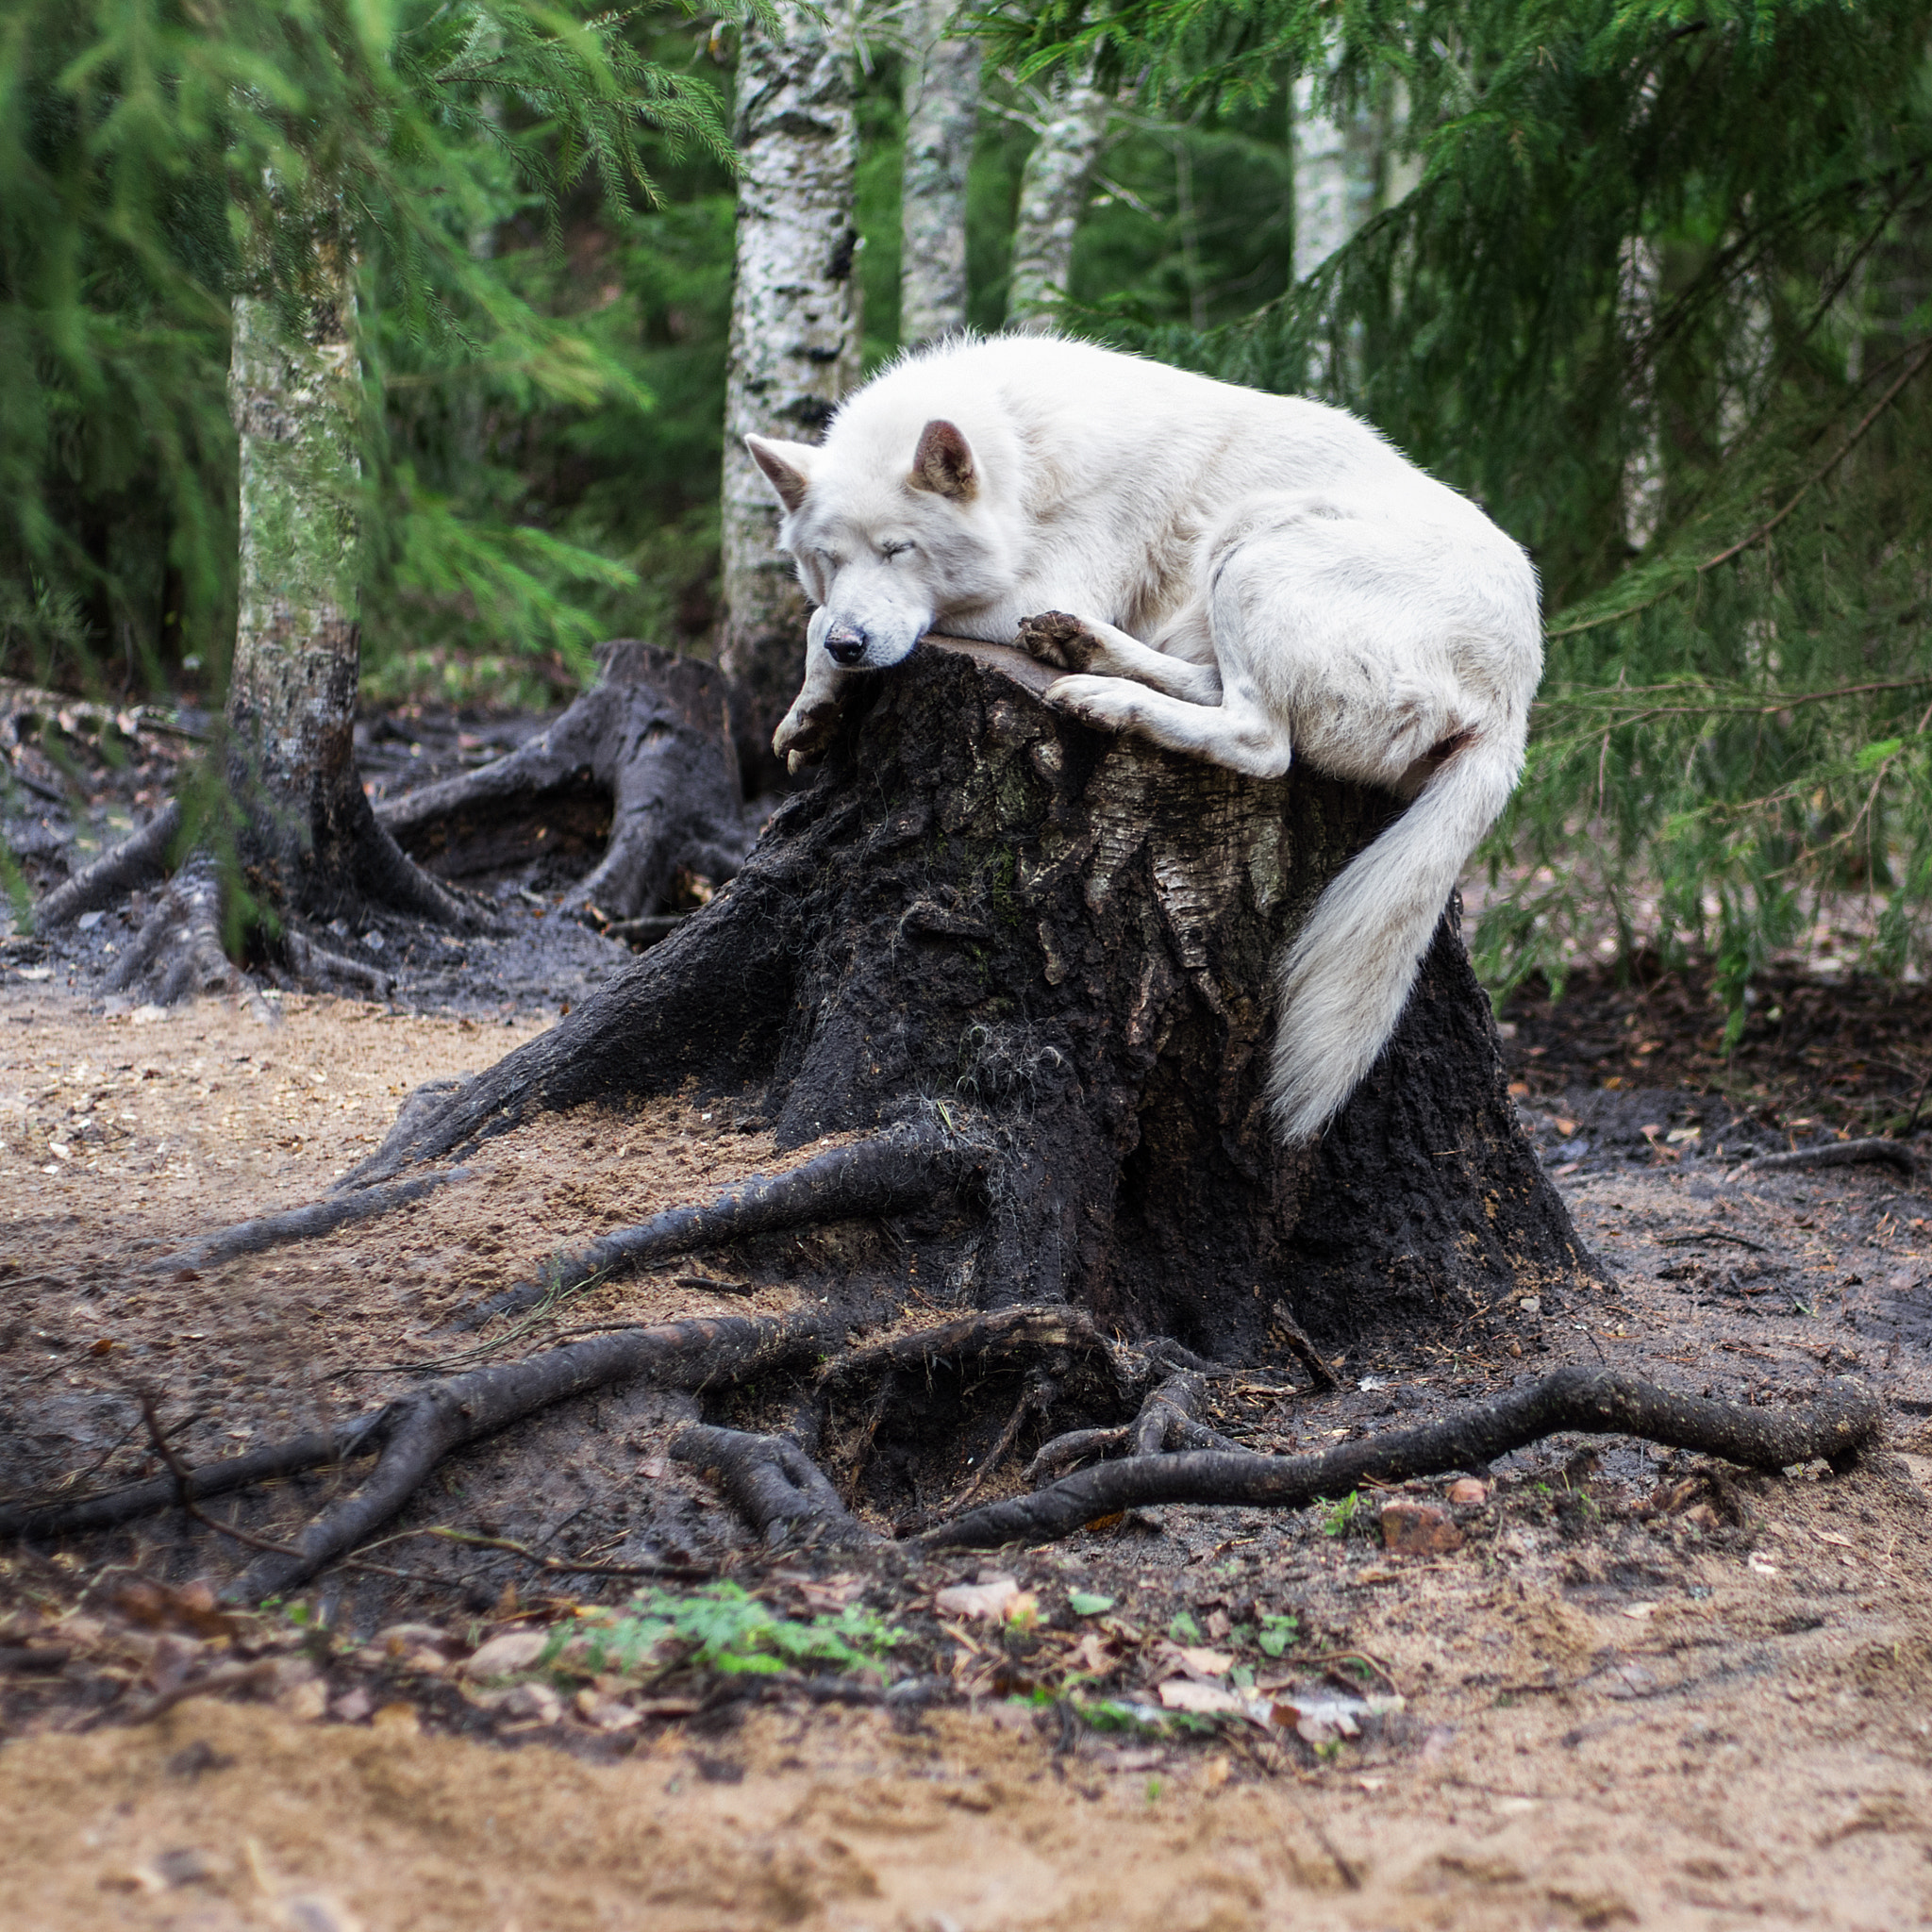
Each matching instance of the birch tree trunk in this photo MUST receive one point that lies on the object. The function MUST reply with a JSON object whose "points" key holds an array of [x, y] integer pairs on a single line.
{"points": [[1054, 187], [1334, 176], [794, 322], [291, 693], [942, 114]]}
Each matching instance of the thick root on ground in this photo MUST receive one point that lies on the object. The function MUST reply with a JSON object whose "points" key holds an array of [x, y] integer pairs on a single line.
{"points": [[1843, 1421]]}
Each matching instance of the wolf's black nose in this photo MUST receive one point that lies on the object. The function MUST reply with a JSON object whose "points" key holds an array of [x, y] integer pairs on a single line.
{"points": [[845, 644]]}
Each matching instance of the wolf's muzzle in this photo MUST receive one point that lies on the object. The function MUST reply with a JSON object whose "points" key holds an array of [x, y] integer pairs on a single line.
{"points": [[846, 645]]}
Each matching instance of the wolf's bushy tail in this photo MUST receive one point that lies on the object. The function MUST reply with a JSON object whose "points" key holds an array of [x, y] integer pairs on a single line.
{"points": [[1346, 977]]}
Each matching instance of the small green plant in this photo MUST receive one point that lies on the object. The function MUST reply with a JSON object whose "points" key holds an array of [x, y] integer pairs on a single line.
{"points": [[1182, 1628], [1340, 1518], [1086, 1603], [722, 1628], [1277, 1633]]}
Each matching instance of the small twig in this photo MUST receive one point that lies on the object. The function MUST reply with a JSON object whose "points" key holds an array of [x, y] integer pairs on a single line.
{"points": [[1710, 1234], [1322, 1658], [184, 1476], [1037, 1398], [1912, 1124], [223, 1678], [685, 1573]]}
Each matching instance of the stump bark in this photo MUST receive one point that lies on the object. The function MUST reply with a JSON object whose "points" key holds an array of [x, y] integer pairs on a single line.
{"points": [[1054, 948]]}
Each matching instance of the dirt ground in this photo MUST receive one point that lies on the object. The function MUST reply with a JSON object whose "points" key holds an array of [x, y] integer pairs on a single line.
{"points": [[1639, 1691], [1622, 1687]]}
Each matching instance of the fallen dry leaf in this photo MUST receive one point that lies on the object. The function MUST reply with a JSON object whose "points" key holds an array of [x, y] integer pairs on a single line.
{"points": [[987, 1600]]}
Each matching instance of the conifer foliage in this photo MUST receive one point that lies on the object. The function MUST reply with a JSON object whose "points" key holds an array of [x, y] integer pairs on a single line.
{"points": [[1660, 300]]}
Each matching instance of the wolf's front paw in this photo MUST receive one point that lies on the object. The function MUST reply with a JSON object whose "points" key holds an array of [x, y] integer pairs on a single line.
{"points": [[1105, 703], [1054, 638], [805, 730]]}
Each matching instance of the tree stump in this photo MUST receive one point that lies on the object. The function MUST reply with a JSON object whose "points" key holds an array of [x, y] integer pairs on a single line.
{"points": [[1055, 946], [1006, 983]]}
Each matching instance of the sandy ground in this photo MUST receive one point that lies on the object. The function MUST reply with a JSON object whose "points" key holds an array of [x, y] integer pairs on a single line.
{"points": [[1636, 1693]]}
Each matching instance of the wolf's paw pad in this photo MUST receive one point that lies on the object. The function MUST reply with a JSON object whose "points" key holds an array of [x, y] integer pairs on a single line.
{"points": [[803, 734], [1105, 703], [1054, 638]]}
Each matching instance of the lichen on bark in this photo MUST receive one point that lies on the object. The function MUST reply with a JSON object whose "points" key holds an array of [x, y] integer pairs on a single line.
{"points": [[293, 392], [1054, 187], [941, 101]]}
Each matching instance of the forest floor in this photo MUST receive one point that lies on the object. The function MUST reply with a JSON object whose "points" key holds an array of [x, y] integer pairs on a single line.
{"points": [[1626, 1687]]}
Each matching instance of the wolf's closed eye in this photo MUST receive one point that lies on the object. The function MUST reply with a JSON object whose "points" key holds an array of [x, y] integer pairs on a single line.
{"points": [[888, 551]]}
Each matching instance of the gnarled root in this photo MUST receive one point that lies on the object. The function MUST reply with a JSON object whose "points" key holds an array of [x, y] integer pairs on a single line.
{"points": [[887, 1173], [137, 861], [178, 953], [267, 1231], [411, 1435], [422, 1427], [1873, 1148], [773, 1485], [1841, 1422], [654, 736]]}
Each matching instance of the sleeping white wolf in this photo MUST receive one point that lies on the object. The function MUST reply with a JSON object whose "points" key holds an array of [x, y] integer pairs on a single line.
{"points": [[1244, 577]]}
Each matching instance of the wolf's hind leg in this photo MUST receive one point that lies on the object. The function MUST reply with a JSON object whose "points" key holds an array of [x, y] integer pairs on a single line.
{"points": [[1239, 733], [1086, 645]]}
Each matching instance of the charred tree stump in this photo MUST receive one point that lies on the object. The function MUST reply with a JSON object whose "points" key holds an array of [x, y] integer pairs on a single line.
{"points": [[1027, 968], [1056, 946]]}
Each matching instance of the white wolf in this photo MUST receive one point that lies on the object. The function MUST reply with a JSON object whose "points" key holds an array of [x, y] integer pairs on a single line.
{"points": [[1240, 576]]}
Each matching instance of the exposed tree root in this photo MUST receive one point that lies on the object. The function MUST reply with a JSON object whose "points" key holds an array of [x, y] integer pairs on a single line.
{"points": [[887, 1172], [654, 737], [306, 1223], [1875, 1147], [317, 966], [411, 1435], [1010, 1334], [418, 1430], [137, 861], [1170, 1419], [1070, 1449], [1599, 1401], [112, 1507], [178, 953], [773, 1485]]}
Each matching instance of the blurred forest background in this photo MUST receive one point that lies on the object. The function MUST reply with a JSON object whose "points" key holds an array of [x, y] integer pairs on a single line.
{"points": [[1651, 280]]}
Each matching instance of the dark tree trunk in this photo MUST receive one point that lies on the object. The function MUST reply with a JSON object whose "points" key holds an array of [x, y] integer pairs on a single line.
{"points": [[1056, 948]]}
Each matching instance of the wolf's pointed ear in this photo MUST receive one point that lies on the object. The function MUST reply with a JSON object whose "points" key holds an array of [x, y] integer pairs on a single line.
{"points": [[787, 466], [942, 463]]}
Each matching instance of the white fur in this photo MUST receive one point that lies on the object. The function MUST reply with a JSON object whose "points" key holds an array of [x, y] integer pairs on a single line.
{"points": [[1266, 578]]}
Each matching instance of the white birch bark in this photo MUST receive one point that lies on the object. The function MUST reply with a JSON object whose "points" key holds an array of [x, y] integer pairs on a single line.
{"points": [[1639, 271], [293, 394], [1054, 188], [941, 101], [1336, 164], [794, 318]]}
